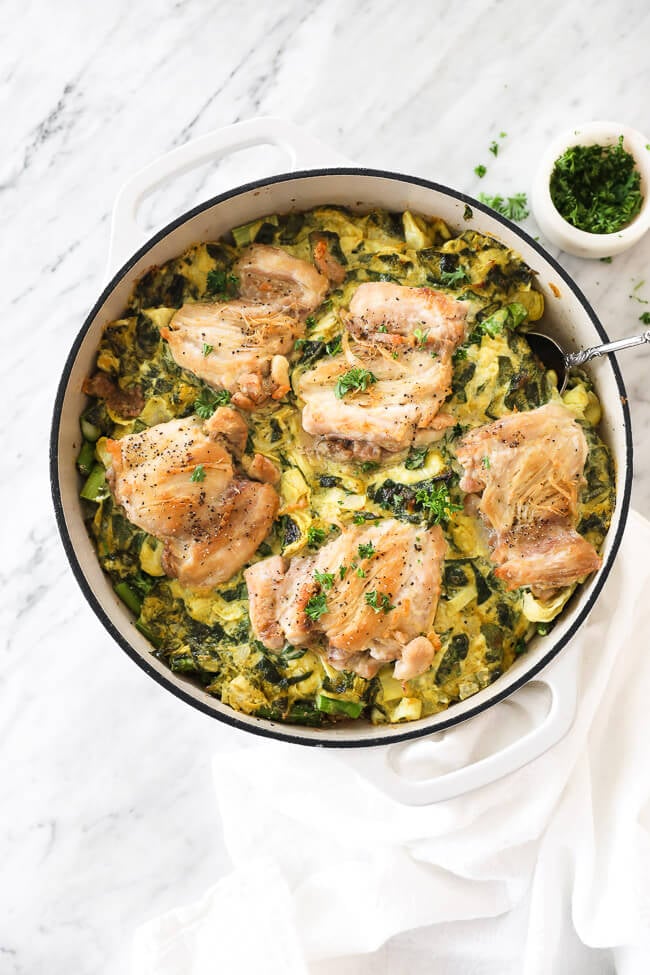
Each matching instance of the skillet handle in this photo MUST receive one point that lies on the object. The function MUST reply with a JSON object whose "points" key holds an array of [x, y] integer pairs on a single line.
{"points": [[380, 764], [303, 151]]}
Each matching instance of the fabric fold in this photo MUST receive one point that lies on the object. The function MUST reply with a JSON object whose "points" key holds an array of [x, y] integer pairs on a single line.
{"points": [[558, 852]]}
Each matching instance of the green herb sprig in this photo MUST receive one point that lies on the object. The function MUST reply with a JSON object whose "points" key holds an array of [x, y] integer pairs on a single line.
{"points": [[355, 381], [513, 207], [208, 401], [436, 501]]}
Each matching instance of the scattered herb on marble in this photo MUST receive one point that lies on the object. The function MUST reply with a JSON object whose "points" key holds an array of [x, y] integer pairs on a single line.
{"points": [[645, 318], [596, 188], [494, 148], [514, 207], [480, 171]]}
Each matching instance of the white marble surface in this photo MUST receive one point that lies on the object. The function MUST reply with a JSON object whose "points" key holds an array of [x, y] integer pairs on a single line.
{"points": [[107, 808]]}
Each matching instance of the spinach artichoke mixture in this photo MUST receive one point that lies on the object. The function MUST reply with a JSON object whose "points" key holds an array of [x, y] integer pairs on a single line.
{"points": [[207, 636]]}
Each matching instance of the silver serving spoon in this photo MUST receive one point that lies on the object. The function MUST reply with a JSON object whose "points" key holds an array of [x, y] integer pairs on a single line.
{"points": [[554, 357]]}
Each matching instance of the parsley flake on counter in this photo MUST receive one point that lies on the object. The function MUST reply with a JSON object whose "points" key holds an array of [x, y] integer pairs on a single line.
{"points": [[480, 171], [354, 381], [596, 188], [316, 606], [605, 260], [514, 207], [494, 148], [198, 474], [645, 318]]}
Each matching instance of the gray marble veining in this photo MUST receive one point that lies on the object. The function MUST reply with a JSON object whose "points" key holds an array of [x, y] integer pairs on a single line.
{"points": [[108, 813]]}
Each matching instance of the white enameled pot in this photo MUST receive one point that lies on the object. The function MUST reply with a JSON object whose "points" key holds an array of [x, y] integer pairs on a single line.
{"points": [[376, 751]]}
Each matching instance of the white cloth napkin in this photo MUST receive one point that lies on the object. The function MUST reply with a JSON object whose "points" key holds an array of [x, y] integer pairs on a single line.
{"points": [[545, 871]]}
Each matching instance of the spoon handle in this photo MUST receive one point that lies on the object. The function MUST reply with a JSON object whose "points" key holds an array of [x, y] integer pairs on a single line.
{"points": [[579, 358]]}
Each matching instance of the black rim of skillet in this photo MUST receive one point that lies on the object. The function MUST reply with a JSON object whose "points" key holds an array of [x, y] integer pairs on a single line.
{"points": [[266, 728]]}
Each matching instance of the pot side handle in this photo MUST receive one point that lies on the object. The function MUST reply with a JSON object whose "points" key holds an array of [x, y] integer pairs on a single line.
{"points": [[303, 151], [379, 764]]}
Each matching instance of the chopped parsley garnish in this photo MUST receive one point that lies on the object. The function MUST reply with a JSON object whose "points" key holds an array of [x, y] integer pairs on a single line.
{"points": [[486, 463], [596, 188], [207, 349], [645, 318], [310, 321], [361, 572], [514, 207], [468, 213], [362, 517], [222, 285], [316, 606], [368, 466], [494, 148], [421, 335], [436, 501], [198, 474], [208, 401], [334, 346], [416, 458], [324, 579], [480, 171], [382, 329], [366, 550], [502, 135], [450, 279], [354, 381], [315, 536], [378, 601], [343, 570]]}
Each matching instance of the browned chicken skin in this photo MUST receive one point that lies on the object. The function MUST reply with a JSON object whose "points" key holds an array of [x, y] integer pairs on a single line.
{"points": [[378, 586], [242, 345], [529, 467], [289, 284], [406, 339], [177, 481]]}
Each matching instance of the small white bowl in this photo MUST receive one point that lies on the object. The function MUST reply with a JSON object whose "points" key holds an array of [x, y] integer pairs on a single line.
{"points": [[558, 230]]}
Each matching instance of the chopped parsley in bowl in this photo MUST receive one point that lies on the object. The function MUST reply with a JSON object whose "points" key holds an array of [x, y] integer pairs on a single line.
{"points": [[590, 194], [597, 188]]}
